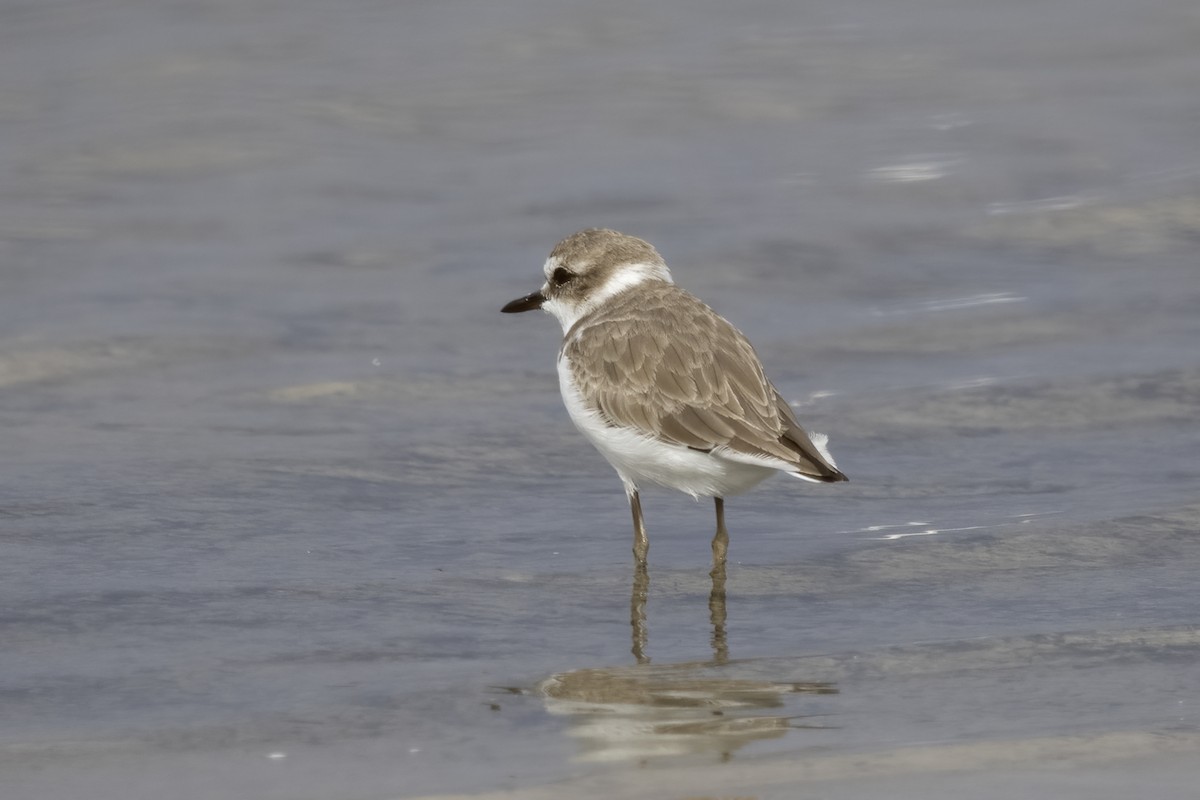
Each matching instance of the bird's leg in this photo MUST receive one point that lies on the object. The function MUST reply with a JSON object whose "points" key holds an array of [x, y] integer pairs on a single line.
{"points": [[641, 544], [720, 542]]}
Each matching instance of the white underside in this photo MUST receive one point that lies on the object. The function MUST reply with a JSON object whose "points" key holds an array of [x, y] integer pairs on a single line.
{"points": [[639, 459]]}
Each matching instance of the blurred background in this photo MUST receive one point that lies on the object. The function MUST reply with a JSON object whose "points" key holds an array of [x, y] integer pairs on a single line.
{"points": [[289, 510]]}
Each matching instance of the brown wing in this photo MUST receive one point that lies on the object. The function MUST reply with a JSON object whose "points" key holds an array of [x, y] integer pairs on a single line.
{"points": [[660, 361]]}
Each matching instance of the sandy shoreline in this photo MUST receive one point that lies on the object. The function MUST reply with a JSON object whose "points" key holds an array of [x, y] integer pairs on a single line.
{"points": [[1104, 765]]}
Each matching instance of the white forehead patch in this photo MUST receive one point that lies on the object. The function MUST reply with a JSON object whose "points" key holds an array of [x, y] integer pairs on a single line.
{"points": [[552, 263]]}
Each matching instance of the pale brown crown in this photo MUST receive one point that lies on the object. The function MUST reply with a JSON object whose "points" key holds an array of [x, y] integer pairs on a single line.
{"points": [[600, 247]]}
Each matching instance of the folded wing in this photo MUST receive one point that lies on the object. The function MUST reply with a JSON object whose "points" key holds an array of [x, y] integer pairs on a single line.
{"points": [[668, 366]]}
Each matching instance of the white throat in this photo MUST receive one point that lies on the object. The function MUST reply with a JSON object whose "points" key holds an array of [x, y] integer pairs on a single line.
{"points": [[626, 277]]}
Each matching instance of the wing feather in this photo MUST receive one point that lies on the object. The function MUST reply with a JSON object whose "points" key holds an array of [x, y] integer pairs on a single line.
{"points": [[659, 361]]}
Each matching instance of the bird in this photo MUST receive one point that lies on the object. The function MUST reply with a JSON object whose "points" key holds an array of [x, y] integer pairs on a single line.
{"points": [[665, 388]]}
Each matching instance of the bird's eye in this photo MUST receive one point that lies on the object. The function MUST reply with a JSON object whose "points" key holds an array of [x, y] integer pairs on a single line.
{"points": [[560, 276]]}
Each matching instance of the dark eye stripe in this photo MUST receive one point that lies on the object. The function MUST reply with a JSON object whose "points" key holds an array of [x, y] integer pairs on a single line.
{"points": [[561, 276]]}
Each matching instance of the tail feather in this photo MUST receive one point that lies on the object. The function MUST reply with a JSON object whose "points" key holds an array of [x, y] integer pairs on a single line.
{"points": [[813, 460]]}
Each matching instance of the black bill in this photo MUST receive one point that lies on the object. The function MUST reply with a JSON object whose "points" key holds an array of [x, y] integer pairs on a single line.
{"points": [[527, 303]]}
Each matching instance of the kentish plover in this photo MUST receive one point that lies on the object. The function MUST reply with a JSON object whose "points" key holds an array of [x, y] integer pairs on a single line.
{"points": [[664, 387]]}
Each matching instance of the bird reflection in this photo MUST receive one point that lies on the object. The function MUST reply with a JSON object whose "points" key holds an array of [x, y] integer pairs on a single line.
{"points": [[637, 612], [716, 614], [646, 711]]}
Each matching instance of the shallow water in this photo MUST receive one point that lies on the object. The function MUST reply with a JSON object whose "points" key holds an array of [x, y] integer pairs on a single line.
{"points": [[289, 509]]}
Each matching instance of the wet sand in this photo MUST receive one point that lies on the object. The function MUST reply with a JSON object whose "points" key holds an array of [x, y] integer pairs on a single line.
{"points": [[1110, 765]]}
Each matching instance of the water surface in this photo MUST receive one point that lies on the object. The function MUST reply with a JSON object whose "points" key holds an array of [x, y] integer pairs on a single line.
{"points": [[289, 510]]}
